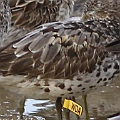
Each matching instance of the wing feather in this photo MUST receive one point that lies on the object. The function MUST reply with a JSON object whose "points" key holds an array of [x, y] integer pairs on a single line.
{"points": [[63, 49]]}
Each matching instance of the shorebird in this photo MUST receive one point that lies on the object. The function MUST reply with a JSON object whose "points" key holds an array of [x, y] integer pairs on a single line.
{"points": [[66, 58]]}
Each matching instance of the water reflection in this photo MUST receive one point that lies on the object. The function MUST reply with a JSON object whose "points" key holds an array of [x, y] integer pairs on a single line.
{"points": [[38, 108], [32, 106]]}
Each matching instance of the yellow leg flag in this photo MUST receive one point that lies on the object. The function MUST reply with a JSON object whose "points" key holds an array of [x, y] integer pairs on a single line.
{"points": [[72, 106]]}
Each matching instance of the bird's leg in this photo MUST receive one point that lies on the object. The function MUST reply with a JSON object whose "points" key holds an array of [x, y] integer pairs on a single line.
{"points": [[67, 113], [86, 107], [73, 98], [22, 104], [59, 108]]}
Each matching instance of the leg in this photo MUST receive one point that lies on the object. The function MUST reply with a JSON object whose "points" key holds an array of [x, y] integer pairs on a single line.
{"points": [[73, 98], [22, 104], [59, 108], [86, 107], [67, 113]]}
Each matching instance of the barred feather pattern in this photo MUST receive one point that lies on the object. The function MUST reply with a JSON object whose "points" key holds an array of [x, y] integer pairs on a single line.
{"points": [[30, 14], [65, 58], [27, 14]]}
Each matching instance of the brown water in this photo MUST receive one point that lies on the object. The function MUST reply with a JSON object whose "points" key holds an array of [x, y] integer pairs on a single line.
{"points": [[101, 103]]}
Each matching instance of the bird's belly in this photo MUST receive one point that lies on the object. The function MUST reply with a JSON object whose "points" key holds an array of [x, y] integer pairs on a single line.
{"points": [[45, 88], [82, 83]]}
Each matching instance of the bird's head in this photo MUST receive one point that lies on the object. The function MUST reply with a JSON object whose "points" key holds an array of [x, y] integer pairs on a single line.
{"points": [[101, 9]]}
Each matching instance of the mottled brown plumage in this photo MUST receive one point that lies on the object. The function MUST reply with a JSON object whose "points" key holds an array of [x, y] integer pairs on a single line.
{"points": [[27, 14], [30, 14], [96, 9], [70, 50], [68, 58]]}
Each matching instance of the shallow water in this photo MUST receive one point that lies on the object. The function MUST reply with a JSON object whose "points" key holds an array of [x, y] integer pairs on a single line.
{"points": [[101, 103]]}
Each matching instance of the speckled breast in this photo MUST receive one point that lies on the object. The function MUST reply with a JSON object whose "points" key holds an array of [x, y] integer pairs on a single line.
{"points": [[82, 83]]}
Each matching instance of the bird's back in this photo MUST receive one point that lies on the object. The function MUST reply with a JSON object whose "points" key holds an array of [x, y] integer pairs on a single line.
{"points": [[33, 13]]}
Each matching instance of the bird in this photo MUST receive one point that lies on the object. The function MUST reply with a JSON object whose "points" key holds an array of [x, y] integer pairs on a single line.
{"points": [[24, 16], [66, 58]]}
